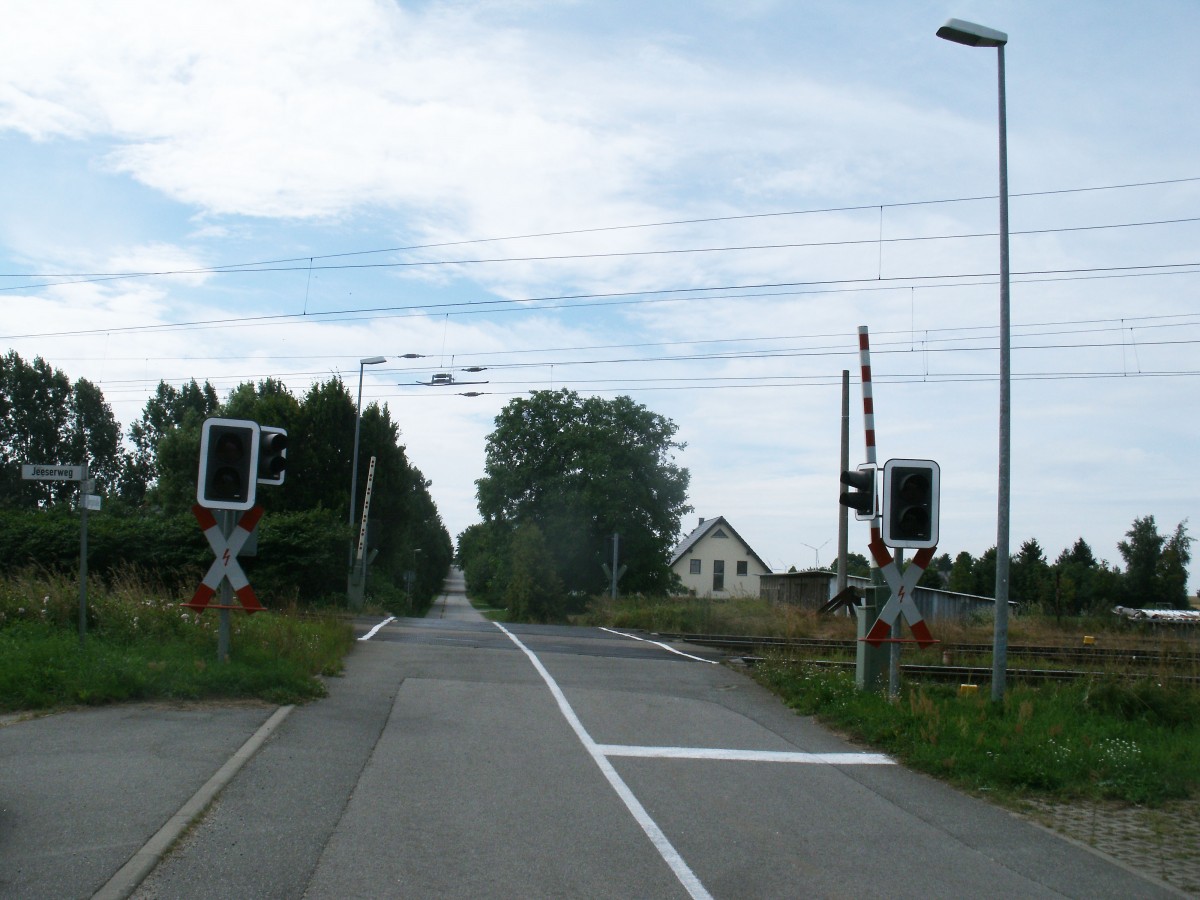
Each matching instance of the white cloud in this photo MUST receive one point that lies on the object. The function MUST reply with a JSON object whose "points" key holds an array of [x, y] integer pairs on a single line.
{"points": [[226, 132]]}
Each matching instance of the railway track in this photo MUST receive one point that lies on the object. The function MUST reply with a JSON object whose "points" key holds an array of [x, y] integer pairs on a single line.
{"points": [[959, 674], [1061, 663]]}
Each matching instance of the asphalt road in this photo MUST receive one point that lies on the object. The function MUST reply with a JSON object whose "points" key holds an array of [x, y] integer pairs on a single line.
{"points": [[458, 758]]}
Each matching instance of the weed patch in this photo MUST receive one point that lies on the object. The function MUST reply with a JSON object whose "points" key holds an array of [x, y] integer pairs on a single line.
{"points": [[142, 645], [1078, 740]]}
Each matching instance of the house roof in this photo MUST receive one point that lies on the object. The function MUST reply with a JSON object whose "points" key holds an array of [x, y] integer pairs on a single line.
{"points": [[705, 527]]}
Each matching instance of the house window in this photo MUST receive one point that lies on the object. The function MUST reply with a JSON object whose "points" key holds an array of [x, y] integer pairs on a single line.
{"points": [[720, 533], [694, 566], [718, 574], [743, 568]]}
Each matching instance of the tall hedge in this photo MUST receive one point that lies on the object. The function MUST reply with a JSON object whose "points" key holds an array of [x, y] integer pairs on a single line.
{"points": [[300, 555]]}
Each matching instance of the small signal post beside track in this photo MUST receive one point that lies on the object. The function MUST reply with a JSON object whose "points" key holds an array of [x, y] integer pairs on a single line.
{"points": [[904, 514], [236, 456]]}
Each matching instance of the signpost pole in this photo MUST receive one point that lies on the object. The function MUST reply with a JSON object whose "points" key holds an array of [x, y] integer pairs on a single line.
{"points": [[228, 517], [616, 544], [894, 656], [84, 491], [43, 472]]}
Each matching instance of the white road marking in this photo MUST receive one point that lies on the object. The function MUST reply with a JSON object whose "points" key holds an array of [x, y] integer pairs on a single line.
{"points": [[659, 644], [665, 849], [370, 634], [784, 756]]}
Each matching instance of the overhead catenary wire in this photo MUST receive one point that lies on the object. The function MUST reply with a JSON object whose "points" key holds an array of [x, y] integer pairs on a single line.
{"points": [[262, 264], [895, 348], [658, 295], [1111, 324], [251, 268], [762, 291]]}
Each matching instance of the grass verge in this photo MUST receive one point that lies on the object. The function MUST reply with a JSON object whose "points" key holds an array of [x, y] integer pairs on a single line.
{"points": [[1104, 738], [1110, 737], [142, 645]]}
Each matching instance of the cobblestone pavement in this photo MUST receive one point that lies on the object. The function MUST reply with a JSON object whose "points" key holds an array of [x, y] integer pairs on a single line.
{"points": [[1163, 842]]}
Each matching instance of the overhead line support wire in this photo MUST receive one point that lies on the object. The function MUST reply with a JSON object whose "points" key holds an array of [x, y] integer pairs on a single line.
{"points": [[257, 268], [466, 307]]}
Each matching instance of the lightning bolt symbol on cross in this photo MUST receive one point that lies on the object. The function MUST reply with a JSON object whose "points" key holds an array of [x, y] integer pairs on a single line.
{"points": [[225, 557]]}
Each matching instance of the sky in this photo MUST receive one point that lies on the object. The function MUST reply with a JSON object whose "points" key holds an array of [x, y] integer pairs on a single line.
{"points": [[695, 204]]}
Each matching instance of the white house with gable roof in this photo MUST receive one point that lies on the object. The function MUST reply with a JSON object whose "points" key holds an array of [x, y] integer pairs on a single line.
{"points": [[714, 561]]}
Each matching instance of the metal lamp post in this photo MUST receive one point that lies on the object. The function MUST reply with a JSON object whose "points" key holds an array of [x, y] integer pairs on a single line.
{"points": [[973, 35], [362, 364]]}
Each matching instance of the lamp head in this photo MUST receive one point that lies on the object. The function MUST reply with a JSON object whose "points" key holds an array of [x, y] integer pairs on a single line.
{"points": [[962, 32]]}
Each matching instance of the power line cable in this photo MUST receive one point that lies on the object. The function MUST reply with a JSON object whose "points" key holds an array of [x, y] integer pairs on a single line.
{"points": [[691, 294], [91, 277]]}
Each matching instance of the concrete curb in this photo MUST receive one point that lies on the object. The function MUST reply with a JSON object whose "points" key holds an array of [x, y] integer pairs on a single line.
{"points": [[142, 863]]}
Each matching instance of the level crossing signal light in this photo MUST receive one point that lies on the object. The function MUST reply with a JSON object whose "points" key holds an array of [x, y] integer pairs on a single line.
{"points": [[862, 499], [911, 490], [272, 455], [228, 464]]}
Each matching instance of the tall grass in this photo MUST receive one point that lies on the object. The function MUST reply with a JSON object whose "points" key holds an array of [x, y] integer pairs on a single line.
{"points": [[141, 644], [1108, 736], [705, 615], [1135, 741]]}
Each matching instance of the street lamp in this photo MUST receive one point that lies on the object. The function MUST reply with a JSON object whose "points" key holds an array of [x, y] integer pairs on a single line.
{"points": [[362, 364], [973, 35]]}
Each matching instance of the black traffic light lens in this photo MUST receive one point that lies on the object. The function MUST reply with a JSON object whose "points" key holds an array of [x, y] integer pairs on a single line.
{"points": [[914, 521], [227, 484], [230, 448], [861, 500], [272, 455], [914, 489], [911, 505], [226, 478]]}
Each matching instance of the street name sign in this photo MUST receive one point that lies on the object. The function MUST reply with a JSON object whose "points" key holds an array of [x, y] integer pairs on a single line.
{"points": [[36, 472]]}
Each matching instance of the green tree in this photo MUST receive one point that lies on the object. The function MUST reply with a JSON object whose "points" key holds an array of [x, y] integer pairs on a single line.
{"points": [[1077, 580], [1155, 566], [271, 403], [1141, 553], [1172, 568], [321, 448], [1030, 580], [46, 419], [535, 592], [962, 574], [168, 409], [984, 574], [405, 526], [582, 469], [856, 564], [483, 555], [937, 573], [100, 438], [35, 427]]}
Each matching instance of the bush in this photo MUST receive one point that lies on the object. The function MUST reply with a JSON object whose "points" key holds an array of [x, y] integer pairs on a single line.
{"points": [[1144, 700], [301, 555]]}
